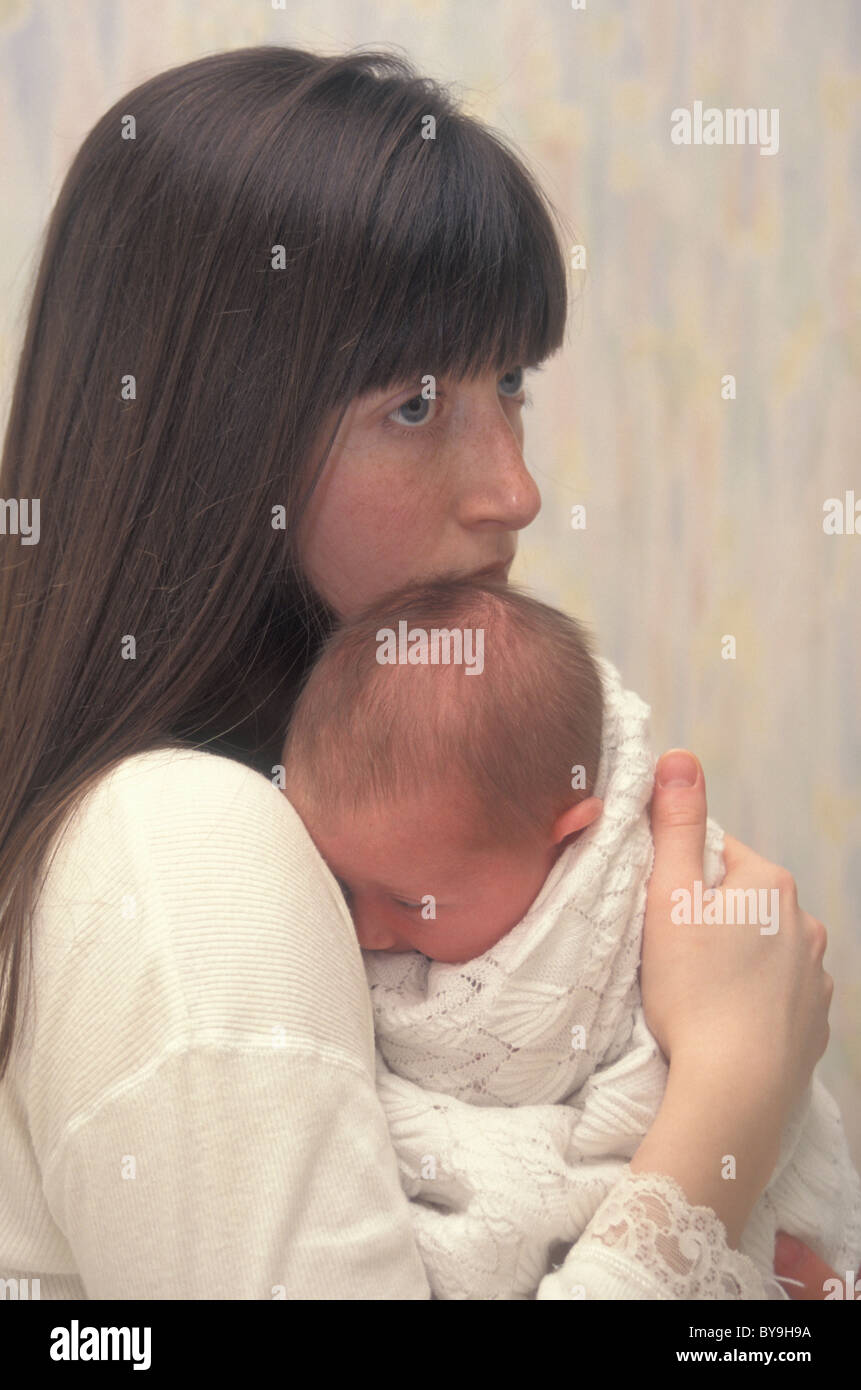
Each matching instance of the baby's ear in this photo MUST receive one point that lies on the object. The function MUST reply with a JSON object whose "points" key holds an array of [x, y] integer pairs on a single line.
{"points": [[576, 818]]}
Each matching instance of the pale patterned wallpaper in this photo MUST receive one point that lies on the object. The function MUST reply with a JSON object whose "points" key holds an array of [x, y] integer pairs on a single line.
{"points": [[704, 515]]}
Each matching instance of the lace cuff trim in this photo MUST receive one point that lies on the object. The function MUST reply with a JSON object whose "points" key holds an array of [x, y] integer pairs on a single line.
{"points": [[679, 1251]]}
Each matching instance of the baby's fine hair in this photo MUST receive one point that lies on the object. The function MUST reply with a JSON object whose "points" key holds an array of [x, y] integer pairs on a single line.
{"points": [[503, 745]]}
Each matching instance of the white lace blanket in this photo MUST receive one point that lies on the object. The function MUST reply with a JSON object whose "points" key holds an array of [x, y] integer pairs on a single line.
{"points": [[517, 1086]]}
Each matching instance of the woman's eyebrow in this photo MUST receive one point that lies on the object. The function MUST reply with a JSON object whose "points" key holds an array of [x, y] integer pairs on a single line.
{"points": [[369, 399]]}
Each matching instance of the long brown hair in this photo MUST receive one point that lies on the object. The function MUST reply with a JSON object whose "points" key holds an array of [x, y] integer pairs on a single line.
{"points": [[175, 379]]}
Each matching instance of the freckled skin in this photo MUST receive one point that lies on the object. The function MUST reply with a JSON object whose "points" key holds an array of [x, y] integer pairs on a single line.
{"points": [[399, 502], [443, 494], [388, 857]]}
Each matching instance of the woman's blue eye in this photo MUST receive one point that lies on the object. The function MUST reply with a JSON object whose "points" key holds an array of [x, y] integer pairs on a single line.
{"points": [[513, 382], [416, 408]]}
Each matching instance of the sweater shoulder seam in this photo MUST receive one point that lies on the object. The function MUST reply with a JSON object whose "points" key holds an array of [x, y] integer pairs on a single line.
{"points": [[330, 1056]]}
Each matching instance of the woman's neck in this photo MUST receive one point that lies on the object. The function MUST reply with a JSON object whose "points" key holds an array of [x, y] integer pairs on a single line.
{"points": [[250, 729]]}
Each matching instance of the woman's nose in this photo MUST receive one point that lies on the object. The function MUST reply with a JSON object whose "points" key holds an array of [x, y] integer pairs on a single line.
{"points": [[496, 484]]}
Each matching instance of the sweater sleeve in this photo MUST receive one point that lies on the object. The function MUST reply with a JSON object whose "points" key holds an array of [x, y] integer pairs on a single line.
{"points": [[232, 1175], [646, 1241], [198, 1069]]}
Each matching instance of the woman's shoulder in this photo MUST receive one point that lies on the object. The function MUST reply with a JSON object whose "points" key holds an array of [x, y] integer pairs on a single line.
{"points": [[175, 803], [186, 882], [203, 785], [196, 982]]}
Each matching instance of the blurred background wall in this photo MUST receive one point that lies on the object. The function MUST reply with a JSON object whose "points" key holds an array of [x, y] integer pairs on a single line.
{"points": [[704, 515]]}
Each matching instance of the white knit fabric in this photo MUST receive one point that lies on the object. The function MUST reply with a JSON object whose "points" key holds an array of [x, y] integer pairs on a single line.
{"points": [[518, 1086], [190, 1110]]}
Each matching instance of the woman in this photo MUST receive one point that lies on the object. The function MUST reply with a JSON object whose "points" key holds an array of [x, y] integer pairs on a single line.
{"points": [[255, 263]]}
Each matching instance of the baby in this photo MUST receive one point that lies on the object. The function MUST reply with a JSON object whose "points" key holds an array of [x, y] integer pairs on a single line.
{"points": [[478, 782], [441, 802]]}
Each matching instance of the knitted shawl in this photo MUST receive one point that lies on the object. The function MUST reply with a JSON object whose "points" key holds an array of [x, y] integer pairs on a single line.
{"points": [[517, 1086]]}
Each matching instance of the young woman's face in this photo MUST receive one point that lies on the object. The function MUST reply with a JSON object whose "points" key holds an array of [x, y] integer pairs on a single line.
{"points": [[419, 489]]}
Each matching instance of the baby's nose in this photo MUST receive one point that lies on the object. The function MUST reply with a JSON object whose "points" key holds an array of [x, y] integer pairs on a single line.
{"points": [[376, 936]]}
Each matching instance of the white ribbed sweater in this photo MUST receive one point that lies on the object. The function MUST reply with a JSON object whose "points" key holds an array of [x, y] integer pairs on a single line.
{"points": [[191, 1111]]}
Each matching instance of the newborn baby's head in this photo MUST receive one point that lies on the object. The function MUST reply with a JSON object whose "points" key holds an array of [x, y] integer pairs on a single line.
{"points": [[442, 752]]}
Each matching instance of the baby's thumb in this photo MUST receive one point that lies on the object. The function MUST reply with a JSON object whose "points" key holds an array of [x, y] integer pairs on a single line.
{"points": [[678, 813]]}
